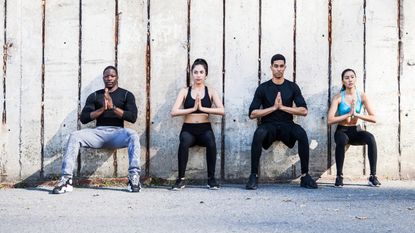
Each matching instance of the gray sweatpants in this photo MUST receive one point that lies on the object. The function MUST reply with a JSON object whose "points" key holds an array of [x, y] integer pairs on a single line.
{"points": [[110, 137]]}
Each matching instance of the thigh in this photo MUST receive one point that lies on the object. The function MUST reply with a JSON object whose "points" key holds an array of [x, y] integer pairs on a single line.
{"points": [[341, 138], [361, 137], [207, 138], [267, 133], [186, 138], [119, 137], [89, 137], [292, 133]]}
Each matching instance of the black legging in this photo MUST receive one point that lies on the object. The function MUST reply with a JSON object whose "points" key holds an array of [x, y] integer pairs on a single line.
{"points": [[353, 135], [201, 135], [288, 133]]}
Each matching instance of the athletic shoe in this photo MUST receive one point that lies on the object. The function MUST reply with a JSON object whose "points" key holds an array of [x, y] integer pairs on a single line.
{"points": [[179, 185], [252, 182], [339, 181], [212, 184], [64, 185], [373, 181], [134, 183], [308, 182]]}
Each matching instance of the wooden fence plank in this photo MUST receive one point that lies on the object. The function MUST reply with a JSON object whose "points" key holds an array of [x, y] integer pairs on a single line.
{"points": [[206, 42], [408, 92], [312, 77], [132, 40], [241, 80], [61, 80], [347, 52], [168, 76], [277, 36], [98, 44]]}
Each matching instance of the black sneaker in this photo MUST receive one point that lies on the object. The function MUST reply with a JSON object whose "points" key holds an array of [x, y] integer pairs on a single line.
{"points": [[373, 181], [339, 181], [64, 185], [252, 182], [179, 185], [308, 182], [212, 184], [134, 183]]}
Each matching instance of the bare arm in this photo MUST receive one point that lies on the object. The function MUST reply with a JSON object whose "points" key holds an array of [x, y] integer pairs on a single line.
{"points": [[176, 110], [218, 110]]}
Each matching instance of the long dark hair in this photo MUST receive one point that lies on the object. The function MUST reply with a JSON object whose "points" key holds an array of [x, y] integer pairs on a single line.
{"points": [[201, 61], [343, 73]]}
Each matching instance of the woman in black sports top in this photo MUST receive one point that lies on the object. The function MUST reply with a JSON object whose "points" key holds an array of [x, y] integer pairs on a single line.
{"points": [[197, 101]]}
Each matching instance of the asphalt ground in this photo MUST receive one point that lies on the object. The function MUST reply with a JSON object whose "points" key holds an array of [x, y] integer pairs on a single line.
{"points": [[272, 208]]}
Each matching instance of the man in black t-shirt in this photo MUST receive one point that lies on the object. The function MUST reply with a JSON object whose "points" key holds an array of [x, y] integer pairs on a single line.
{"points": [[109, 107], [273, 103]]}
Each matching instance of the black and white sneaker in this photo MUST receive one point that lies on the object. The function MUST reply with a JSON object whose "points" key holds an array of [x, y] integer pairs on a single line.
{"points": [[212, 184], [252, 182], [339, 181], [64, 185], [308, 182], [179, 185], [134, 183], [373, 181]]}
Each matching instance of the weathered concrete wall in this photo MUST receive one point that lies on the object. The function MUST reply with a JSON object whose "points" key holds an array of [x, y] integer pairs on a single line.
{"points": [[54, 52]]}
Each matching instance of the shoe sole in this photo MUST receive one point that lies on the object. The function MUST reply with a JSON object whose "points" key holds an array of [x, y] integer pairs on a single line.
{"points": [[308, 187], [178, 189], [251, 188], [64, 190], [338, 186], [373, 185], [132, 191], [213, 188]]}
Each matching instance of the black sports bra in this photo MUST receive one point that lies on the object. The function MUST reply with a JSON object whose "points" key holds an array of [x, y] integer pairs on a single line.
{"points": [[189, 102]]}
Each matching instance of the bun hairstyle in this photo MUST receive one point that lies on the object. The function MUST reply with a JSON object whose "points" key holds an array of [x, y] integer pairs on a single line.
{"points": [[201, 61], [343, 73]]}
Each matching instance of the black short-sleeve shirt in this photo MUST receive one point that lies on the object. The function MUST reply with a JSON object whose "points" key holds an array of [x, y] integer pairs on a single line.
{"points": [[266, 93]]}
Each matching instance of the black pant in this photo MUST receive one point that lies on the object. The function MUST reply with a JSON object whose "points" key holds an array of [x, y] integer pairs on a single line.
{"points": [[288, 133], [354, 135], [201, 135]]}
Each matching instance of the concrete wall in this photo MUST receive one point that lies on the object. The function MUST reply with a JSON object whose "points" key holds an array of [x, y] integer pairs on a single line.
{"points": [[54, 52]]}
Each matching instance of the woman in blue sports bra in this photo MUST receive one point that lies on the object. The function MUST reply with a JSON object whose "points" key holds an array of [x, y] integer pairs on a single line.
{"points": [[349, 105], [195, 104]]}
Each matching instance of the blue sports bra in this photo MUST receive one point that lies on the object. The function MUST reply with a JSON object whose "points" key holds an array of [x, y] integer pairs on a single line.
{"points": [[344, 108]]}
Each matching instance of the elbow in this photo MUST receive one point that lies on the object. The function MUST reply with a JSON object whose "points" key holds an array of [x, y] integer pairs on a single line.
{"points": [[173, 113], [304, 112]]}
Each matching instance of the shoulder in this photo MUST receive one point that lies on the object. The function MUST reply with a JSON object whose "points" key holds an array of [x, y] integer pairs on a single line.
{"points": [[337, 97], [100, 91], [264, 85], [291, 84], [362, 95]]}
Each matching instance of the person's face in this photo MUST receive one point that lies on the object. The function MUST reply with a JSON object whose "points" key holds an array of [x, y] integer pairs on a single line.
{"points": [[110, 78], [349, 79], [199, 74], [278, 68]]}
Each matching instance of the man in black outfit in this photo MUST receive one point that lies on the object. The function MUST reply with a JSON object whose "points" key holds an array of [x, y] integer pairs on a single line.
{"points": [[109, 107], [273, 103]]}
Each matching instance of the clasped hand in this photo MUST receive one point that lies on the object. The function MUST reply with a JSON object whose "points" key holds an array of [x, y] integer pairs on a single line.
{"points": [[107, 100]]}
